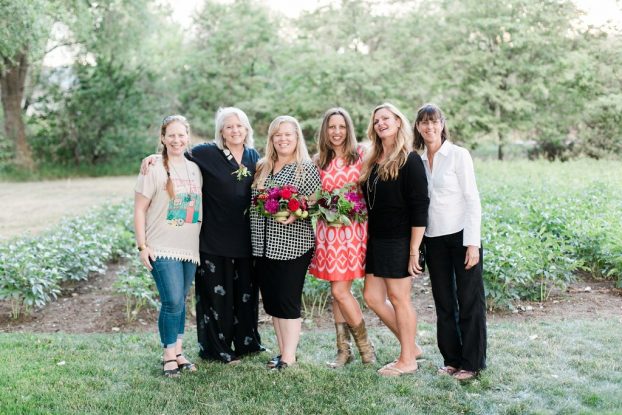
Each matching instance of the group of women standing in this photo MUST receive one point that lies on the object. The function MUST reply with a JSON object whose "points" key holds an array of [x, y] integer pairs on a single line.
{"points": [[412, 202]]}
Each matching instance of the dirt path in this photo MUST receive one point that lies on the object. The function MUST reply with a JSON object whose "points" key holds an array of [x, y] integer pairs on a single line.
{"points": [[34, 206], [93, 306]]}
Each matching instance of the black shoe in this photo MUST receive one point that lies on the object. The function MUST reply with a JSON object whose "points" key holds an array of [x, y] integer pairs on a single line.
{"points": [[272, 363], [281, 365], [188, 366], [170, 373]]}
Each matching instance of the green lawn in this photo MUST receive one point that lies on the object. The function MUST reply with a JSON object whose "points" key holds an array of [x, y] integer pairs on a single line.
{"points": [[556, 366]]}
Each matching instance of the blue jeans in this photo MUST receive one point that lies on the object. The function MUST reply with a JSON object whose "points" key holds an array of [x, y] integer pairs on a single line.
{"points": [[173, 279]]}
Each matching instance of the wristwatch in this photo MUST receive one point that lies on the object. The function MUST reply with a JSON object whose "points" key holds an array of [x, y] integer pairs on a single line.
{"points": [[141, 247]]}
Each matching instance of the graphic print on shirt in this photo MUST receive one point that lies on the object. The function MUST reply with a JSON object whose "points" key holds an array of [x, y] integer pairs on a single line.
{"points": [[186, 206]]}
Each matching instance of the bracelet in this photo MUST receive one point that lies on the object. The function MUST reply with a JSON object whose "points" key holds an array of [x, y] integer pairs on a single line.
{"points": [[141, 247]]}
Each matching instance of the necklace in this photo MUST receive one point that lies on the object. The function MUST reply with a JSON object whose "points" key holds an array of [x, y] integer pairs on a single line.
{"points": [[187, 174], [371, 190]]}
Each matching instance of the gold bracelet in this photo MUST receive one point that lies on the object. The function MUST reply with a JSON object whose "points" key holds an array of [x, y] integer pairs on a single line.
{"points": [[141, 247]]}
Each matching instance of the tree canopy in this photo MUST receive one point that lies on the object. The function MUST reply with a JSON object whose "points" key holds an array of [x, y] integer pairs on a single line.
{"points": [[504, 71]]}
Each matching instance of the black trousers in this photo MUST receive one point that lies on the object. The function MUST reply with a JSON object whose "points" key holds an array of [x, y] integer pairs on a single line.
{"points": [[460, 302], [227, 308]]}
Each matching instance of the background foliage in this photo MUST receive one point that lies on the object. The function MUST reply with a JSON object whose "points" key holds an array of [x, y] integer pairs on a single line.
{"points": [[506, 72]]}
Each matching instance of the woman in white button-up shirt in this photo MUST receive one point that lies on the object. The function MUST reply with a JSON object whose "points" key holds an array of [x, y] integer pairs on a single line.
{"points": [[453, 248]]}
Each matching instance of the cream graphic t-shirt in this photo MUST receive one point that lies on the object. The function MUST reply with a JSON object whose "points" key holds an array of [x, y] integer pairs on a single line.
{"points": [[173, 225]]}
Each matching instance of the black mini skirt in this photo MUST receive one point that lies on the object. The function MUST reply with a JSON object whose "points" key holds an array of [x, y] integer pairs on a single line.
{"points": [[387, 258]]}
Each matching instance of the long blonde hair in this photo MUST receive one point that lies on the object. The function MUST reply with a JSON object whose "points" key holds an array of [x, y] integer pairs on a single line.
{"points": [[170, 187], [326, 152], [389, 168], [266, 164]]}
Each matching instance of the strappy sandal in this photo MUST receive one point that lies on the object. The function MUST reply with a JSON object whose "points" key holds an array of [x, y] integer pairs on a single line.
{"points": [[464, 375], [273, 362], [392, 371], [170, 373], [447, 370], [188, 366]]}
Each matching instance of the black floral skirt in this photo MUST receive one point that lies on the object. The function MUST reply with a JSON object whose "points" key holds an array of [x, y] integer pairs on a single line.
{"points": [[227, 308]]}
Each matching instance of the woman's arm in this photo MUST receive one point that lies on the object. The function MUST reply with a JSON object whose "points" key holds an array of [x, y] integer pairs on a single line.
{"points": [[416, 236], [141, 204]]}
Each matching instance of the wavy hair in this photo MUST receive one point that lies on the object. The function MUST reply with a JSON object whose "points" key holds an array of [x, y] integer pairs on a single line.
{"points": [[221, 115], [266, 164], [326, 152], [389, 168], [170, 187], [429, 112]]}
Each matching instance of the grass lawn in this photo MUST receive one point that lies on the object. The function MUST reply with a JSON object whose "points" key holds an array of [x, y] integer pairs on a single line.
{"points": [[556, 366]]}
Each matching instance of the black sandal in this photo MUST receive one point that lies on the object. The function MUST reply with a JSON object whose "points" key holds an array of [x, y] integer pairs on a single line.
{"points": [[188, 366], [273, 362], [170, 373]]}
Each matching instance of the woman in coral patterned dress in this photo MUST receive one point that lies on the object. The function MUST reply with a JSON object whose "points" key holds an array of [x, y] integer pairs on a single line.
{"points": [[340, 251]]}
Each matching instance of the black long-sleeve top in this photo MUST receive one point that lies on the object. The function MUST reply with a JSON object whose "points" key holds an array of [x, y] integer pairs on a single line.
{"points": [[395, 206], [226, 201]]}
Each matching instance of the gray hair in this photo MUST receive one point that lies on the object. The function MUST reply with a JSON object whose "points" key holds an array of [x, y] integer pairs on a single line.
{"points": [[221, 115]]}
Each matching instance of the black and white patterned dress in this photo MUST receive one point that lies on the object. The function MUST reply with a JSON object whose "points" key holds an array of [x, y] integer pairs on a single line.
{"points": [[283, 252]]}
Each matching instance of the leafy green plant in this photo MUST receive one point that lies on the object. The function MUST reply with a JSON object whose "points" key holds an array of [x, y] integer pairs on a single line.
{"points": [[32, 268], [138, 286], [315, 295]]}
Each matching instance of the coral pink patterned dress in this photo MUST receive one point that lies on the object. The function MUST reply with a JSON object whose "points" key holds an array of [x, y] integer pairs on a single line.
{"points": [[339, 251]]}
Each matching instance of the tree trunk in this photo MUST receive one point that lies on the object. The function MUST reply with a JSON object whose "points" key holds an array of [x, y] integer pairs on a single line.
{"points": [[499, 134], [12, 90]]}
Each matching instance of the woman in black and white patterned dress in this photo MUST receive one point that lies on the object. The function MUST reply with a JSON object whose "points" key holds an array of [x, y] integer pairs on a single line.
{"points": [[283, 250]]}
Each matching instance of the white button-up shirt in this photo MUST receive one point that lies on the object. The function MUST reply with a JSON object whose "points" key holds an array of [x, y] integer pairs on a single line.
{"points": [[454, 199]]}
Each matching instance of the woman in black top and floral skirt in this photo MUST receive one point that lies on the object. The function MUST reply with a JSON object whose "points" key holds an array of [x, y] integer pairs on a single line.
{"points": [[395, 187], [226, 290], [283, 249]]}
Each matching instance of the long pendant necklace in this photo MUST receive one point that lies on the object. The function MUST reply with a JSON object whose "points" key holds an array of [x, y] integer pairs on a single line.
{"points": [[188, 184], [371, 190]]}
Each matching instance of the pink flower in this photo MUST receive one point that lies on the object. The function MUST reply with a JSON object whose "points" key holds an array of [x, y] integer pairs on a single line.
{"points": [[274, 193], [271, 206], [352, 197]]}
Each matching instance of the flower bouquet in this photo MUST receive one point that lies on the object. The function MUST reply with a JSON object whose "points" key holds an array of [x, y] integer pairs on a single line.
{"points": [[281, 201], [341, 206]]}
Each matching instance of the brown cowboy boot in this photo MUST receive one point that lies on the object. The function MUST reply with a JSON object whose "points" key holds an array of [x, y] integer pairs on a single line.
{"points": [[344, 352], [365, 346]]}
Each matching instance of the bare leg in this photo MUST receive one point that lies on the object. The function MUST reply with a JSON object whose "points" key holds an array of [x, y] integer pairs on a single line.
{"points": [[345, 307], [169, 354], [290, 336], [276, 322], [399, 294], [375, 295]]}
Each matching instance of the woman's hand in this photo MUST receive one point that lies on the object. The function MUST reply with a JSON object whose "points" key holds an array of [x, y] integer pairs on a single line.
{"points": [[147, 161], [145, 256], [472, 257], [286, 220], [414, 269]]}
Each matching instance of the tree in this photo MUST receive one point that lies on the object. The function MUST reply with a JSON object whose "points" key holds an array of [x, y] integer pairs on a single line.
{"points": [[502, 62], [25, 27]]}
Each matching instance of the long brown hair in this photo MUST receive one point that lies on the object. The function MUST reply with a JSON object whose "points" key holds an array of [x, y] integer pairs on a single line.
{"points": [[429, 112], [389, 168], [326, 152], [170, 187]]}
